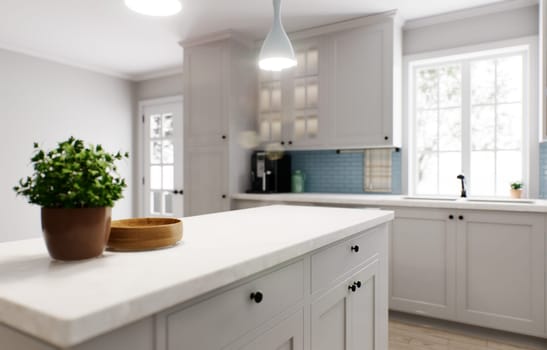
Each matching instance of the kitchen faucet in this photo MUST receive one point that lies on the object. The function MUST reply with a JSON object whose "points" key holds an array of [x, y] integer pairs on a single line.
{"points": [[464, 191]]}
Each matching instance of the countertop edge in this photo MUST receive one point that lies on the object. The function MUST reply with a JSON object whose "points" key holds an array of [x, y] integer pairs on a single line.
{"points": [[390, 201]]}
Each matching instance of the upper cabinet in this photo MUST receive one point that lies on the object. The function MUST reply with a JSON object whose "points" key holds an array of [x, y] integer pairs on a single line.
{"points": [[289, 102], [364, 107], [206, 115], [344, 92]]}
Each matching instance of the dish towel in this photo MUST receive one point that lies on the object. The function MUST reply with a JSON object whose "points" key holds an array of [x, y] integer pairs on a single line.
{"points": [[377, 170]]}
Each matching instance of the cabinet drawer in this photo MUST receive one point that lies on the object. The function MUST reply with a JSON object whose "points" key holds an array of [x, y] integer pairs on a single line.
{"points": [[218, 321], [334, 261]]}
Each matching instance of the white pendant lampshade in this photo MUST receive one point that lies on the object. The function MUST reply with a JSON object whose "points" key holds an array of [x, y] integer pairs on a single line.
{"points": [[155, 7], [277, 52]]}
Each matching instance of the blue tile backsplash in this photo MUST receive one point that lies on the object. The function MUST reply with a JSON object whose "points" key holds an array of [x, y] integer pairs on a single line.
{"points": [[543, 170], [329, 172]]}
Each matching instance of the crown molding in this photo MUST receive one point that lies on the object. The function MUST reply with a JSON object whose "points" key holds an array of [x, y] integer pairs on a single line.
{"points": [[218, 36], [157, 74], [497, 7], [347, 24]]}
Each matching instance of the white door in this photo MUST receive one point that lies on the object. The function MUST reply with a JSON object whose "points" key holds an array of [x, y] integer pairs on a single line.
{"points": [[500, 270], [162, 180], [423, 262]]}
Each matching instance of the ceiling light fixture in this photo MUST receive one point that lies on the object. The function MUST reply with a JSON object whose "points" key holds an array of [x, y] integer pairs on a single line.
{"points": [[277, 52], [155, 7]]}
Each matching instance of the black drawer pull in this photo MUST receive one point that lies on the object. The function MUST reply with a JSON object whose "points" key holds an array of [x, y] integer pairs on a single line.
{"points": [[357, 284], [257, 297], [355, 248], [460, 217], [352, 288], [451, 217]]}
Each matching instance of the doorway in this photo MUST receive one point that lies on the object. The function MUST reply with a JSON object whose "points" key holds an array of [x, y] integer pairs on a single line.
{"points": [[161, 157]]}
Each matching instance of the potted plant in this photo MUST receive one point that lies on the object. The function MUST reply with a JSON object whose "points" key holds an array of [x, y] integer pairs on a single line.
{"points": [[76, 185], [516, 189]]}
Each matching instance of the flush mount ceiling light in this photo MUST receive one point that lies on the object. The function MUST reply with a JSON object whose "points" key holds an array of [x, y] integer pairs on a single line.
{"points": [[155, 7], [277, 52]]}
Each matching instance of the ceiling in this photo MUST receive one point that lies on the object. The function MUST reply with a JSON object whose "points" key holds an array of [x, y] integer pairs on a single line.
{"points": [[103, 35]]}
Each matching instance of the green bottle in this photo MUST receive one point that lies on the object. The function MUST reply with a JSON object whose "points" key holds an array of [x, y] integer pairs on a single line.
{"points": [[297, 181]]}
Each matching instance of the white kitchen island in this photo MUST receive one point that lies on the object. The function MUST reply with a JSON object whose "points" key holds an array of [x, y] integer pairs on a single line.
{"points": [[278, 277]]}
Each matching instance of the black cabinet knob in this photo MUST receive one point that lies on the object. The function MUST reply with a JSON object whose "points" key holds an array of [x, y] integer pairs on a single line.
{"points": [[175, 192], [257, 297], [223, 196], [386, 138], [451, 217], [224, 137], [460, 217], [290, 142], [355, 248], [282, 143], [357, 284], [352, 288]]}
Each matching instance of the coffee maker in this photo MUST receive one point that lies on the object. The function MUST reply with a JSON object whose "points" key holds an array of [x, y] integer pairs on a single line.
{"points": [[270, 175]]}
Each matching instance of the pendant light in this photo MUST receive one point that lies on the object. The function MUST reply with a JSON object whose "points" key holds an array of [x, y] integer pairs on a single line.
{"points": [[155, 7], [277, 52]]}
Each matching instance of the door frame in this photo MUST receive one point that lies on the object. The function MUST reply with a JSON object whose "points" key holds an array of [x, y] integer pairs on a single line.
{"points": [[142, 104]]}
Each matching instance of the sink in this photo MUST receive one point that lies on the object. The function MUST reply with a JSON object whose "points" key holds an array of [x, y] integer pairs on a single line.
{"points": [[431, 198], [501, 200]]}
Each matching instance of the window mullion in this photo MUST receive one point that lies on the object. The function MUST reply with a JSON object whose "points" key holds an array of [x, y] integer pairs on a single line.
{"points": [[466, 120]]}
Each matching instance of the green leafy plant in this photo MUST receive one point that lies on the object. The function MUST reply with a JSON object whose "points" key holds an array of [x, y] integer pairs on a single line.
{"points": [[516, 185], [73, 175]]}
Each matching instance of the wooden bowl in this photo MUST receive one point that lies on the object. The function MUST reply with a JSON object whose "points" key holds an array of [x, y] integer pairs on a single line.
{"points": [[144, 234]]}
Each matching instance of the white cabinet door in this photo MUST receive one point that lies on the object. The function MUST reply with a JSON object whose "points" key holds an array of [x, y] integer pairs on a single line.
{"points": [[206, 186], [205, 102], [361, 86], [423, 262], [287, 335], [348, 316], [307, 100], [501, 271]]}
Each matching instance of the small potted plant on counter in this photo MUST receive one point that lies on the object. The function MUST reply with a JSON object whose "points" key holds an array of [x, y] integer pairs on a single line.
{"points": [[516, 189], [76, 185]]}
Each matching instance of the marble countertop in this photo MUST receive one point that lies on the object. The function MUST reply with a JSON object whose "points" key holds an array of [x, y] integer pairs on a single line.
{"points": [[537, 205], [66, 303]]}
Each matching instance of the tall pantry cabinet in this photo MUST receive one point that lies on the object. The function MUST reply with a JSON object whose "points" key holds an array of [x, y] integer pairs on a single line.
{"points": [[219, 106]]}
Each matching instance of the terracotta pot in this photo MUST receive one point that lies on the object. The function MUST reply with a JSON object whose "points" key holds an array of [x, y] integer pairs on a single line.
{"points": [[76, 234], [516, 193]]}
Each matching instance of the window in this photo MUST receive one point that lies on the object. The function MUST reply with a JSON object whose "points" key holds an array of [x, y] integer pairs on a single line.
{"points": [[468, 115]]}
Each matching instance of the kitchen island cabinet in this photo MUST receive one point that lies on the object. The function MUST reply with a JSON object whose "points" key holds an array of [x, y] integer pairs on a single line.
{"points": [[247, 279]]}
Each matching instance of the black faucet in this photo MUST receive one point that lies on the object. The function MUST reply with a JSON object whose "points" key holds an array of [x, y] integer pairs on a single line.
{"points": [[464, 191]]}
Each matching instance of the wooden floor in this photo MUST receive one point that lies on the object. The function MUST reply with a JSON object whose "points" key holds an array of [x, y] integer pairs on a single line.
{"points": [[405, 336]]}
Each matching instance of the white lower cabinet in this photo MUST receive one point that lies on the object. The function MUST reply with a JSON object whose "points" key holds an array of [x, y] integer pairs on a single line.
{"points": [[207, 174], [422, 257], [344, 317], [501, 271], [287, 335], [478, 267]]}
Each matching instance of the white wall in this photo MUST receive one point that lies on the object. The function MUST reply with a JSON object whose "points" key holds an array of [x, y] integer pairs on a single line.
{"points": [[474, 30], [47, 102], [159, 87]]}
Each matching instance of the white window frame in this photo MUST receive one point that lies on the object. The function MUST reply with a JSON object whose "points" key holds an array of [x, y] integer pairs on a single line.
{"points": [[530, 102]]}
